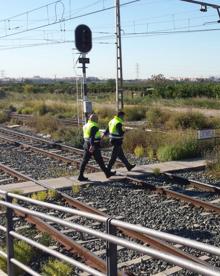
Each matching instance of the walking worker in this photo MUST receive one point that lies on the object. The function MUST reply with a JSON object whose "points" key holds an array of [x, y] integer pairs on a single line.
{"points": [[116, 134], [92, 139]]}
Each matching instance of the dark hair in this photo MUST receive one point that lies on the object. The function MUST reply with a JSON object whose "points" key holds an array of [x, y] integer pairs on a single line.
{"points": [[120, 113]]}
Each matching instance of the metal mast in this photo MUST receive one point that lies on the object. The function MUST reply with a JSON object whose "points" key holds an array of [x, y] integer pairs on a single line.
{"points": [[119, 73]]}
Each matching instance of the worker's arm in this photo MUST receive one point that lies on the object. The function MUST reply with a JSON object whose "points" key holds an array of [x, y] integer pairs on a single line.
{"points": [[92, 138], [94, 129], [120, 129]]}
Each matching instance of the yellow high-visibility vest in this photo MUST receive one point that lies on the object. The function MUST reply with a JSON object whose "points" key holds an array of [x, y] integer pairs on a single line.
{"points": [[113, 133], [87, 131]]}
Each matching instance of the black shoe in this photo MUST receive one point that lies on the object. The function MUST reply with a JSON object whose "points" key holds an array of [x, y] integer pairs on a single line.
{"points": [[109, 174], [129, 168], [82, 178]]}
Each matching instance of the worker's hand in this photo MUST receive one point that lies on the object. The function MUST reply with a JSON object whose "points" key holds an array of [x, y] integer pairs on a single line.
{"points": [[91, 149]]}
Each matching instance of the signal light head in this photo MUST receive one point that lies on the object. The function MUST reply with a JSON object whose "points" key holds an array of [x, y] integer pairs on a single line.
{"points": [[83, 38]]}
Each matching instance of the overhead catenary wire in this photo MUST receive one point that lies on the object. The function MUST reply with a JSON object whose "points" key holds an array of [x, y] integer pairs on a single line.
{"points": [[68, 19]]}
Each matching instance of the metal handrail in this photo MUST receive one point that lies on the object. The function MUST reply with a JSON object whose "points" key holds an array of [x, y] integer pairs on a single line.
{"points": [[195, 267], [118, 223], [49, 251]]}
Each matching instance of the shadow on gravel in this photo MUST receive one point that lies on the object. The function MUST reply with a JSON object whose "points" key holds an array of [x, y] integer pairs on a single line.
{"points": [[191, 234], [201, 194]]}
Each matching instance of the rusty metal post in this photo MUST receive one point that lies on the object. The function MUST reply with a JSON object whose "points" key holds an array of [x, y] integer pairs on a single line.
{"points": [[9, 238], [111, 250]]}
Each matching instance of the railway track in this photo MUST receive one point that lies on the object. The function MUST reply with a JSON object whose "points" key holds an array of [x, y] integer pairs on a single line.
{"points": [[200, 194], [96, 201], [142, 238], [49, 148], [85, 207], [25, 118]]}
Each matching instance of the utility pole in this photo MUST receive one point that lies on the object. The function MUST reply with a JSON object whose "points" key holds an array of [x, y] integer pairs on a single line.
{"points": [[119, 73]]}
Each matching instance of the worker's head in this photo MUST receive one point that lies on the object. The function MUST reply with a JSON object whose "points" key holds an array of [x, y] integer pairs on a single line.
{"points": [[121, 114], [93, 117]]}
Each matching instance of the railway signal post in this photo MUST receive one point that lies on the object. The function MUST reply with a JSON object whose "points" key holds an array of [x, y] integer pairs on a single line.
{"points": [[83, 42]]}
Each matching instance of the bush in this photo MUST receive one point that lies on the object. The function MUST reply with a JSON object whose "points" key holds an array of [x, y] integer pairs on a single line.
{"points": [[72, 136], [150, 153], [45, 239], [156, 117], [156, 171], [25, 110], [105, 113], [55, 267], [139, 151], [3, 117], [23, 253], [45, 123], [213, 162], [52, 194], [135, 113], [187, 149], [134, 138], [188, 120], [41, 196]]}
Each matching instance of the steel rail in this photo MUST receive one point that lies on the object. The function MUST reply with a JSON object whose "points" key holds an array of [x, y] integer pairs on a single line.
{"points": [[48, 153], [155, 233], [173, 259], [192, 182], [70, 245], [176, 195], [56, 254], [14, 173]]}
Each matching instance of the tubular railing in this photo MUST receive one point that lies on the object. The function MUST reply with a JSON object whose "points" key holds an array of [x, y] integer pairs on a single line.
{"points": [[109, 236]]}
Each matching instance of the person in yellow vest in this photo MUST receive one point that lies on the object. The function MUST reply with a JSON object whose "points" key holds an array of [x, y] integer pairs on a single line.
{"points": [[92, 139], [116, 132]]}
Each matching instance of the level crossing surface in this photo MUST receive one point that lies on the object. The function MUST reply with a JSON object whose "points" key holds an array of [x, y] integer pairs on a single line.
{"points": [[68, 181]]}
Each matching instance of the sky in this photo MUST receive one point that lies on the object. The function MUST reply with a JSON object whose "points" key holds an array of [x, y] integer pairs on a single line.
{"points": [[158, 37]]}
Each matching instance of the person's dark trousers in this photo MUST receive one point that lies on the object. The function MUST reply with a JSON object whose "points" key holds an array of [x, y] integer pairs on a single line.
{"points": [[117, 152], [98, 158]]}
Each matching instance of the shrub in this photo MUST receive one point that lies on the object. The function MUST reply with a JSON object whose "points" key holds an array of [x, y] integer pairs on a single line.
{"points": [[150, 152], [3, 117], [105, 112], [188, 120], [139, 151], [72, 136], [213, 162], [41, 196], [156, 171], [52, 194], [45, 239], [135, 113], [23, 253], [187, 149], [25, 110], [134, 138], [45, 123], [76, 189], [156, 117], [55, 267]]}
